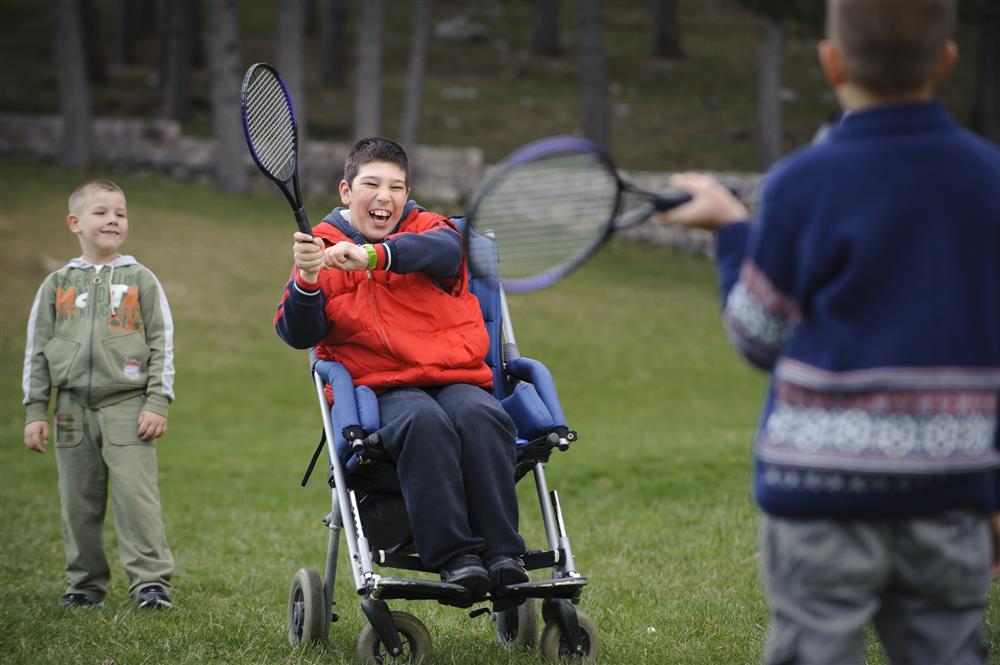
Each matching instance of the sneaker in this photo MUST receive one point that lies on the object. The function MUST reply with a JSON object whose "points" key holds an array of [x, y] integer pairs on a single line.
{"points": [[153, 597], [79, 600], [467, 570], [505, 569]]}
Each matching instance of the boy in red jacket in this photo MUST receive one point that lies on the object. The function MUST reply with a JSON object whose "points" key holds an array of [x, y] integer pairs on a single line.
{"points": [[381, 287]]}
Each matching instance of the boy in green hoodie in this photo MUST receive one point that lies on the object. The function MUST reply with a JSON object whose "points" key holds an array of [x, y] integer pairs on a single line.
{"points": [[101, 334]]}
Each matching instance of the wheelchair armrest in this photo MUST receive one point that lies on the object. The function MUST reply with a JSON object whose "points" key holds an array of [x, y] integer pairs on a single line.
{"points": [[539, 376], [355, 410]]}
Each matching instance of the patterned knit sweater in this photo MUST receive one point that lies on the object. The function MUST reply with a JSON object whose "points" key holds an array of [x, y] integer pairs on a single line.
{"points": [[870, 288]]}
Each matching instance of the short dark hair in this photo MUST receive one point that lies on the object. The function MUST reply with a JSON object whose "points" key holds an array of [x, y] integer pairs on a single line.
{"points": [[889, 46], [375, 149]]}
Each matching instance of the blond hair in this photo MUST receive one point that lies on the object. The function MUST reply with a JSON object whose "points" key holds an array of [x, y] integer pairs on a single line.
{"points": [[890, 47], [79, 196]]}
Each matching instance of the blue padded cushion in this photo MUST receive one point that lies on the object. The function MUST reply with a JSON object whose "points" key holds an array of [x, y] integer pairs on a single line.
{"points": [[484, 283], [528, 412], [367, 408]]}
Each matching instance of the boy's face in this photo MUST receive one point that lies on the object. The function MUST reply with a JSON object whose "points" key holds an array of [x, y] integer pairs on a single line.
{"points": [[376, 198], [101, 224]]}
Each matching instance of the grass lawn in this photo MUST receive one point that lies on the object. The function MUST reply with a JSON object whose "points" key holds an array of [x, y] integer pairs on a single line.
{"points": [[655, 494]]}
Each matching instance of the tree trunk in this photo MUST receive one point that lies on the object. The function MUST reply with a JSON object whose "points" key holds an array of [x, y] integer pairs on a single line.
{"points": [[290, 57], [197, 28], [176, 38], [410, 121], [123, 43], [986, 107], [312, 17], [223, 46], [769, 118], [545, 32], [74, 93], [368, 86], [93, 45], [333, 67], [665, 30], [595, 117], [144, 12]]}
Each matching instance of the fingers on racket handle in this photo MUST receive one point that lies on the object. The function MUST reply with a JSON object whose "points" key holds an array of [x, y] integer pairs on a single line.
{"points": [[669, 200], [303, 221]]}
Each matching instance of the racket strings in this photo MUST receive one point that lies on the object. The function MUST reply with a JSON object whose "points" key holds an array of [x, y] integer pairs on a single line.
{"points": [[271, 126], [548, 213]]}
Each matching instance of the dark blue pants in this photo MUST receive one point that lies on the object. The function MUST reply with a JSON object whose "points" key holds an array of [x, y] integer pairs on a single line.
{"points": [[454, 452]]}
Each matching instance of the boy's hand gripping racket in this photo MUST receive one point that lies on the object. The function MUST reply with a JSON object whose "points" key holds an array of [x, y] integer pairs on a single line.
{"points": [[272, 134], [551, 204]]}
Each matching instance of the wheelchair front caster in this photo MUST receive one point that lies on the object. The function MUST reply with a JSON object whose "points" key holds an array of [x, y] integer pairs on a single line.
{"points": [[308, 612], [413, 635], [554, 646], [517, 626]]}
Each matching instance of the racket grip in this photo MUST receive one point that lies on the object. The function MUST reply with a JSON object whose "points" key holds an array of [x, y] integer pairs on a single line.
{"points": [[303, 221], [669, 200]]}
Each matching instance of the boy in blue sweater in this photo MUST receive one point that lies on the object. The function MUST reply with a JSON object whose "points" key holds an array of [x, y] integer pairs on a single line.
{"points": [[870, 289]]}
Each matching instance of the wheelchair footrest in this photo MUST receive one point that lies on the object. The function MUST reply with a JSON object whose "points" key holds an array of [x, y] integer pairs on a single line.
{"points": [[564, 587], [409, 588]]}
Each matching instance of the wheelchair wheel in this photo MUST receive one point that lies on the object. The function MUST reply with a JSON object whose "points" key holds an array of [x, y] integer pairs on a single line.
{"points": [[412, 634], [556, 648], [517, 626], [308, 613]]}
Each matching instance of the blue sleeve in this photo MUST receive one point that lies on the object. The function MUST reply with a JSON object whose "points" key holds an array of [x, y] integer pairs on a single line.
{"points": [[301, 318], [759, 312], [436, 252], [730, 248]]}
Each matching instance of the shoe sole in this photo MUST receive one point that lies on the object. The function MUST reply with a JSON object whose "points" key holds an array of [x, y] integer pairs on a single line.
{"points": [[157, 604]]}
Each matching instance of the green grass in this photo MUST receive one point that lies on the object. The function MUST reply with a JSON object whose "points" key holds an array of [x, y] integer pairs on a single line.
{"points": [[698, 112], [655, 494]]}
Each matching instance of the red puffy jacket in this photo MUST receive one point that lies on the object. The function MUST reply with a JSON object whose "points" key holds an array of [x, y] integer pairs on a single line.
{"points": [[398, 326]]}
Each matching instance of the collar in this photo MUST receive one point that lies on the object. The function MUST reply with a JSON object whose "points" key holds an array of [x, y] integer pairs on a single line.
{"points": [[84, 264], [895, 118], [340, 218]]}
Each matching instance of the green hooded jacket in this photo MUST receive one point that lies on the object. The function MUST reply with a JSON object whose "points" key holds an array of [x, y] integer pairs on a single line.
{"points": [[103, 333]]}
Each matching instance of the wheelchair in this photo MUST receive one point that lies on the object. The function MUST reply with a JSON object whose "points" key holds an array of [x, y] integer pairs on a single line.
{"points": [[368, 508]]}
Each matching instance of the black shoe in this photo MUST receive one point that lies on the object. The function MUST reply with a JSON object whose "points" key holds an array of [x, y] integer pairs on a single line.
{"points": [[506, 570], [467, 570], [153, 597], [79, 600]]}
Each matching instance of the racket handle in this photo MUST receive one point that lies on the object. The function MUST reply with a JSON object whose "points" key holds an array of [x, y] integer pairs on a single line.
{"points": [[669, 200], [303, 221]]}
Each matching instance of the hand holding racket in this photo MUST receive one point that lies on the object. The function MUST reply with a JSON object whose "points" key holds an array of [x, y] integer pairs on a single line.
{"points": [[712, 205], [272, 134], [551, 205]]}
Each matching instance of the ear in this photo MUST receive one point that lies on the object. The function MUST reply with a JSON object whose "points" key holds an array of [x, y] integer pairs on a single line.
{"points": [[946, 61], [345, 193], [73, 222], [829, 61]]}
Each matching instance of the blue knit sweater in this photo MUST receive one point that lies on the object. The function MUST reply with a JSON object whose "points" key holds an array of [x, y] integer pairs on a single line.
{"points": [[870, 288]]}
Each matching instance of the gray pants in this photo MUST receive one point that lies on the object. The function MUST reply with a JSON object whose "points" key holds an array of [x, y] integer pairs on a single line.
{"points": [[921, 582], [93, 447]]}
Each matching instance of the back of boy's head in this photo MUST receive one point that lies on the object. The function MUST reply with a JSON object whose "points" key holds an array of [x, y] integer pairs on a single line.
{"points": [[888, 47], [375, 149], [79, 196]]}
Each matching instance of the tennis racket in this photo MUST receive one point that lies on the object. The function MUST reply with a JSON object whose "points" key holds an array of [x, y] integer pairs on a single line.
{"points": [[550, 205], [272, 134]]}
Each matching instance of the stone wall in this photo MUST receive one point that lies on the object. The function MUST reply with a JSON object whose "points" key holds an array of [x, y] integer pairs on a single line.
{"points": [[443, 175]]}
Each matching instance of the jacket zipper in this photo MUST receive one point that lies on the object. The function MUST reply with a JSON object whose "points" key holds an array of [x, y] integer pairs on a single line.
{"points": [[92, 304], [377, 319]]}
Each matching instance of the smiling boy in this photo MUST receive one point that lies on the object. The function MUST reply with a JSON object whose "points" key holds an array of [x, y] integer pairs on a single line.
{"points": [[381, 287], [100, 332]]}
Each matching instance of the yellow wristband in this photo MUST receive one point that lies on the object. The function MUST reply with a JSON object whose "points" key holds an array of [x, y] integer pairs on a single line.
{"points": [[372, 256]]}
